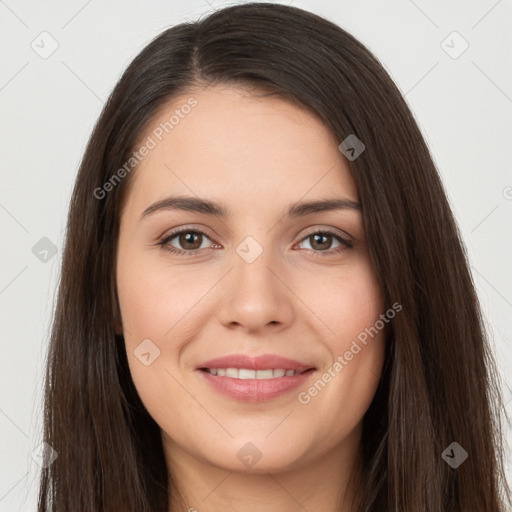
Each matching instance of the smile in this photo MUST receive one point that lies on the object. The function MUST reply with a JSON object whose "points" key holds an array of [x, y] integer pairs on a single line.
{"points": [[245, 373]]}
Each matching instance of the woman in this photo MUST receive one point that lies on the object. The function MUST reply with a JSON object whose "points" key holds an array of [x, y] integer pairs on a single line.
{"points": [[319, 346]]}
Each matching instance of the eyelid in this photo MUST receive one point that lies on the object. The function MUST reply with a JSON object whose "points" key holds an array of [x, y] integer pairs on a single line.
{"points": [[345, 239], [188, 227], [309, 231], [329, 229]]}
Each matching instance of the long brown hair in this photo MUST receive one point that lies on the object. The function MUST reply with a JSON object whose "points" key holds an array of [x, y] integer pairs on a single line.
{"points": [[439, 384]]}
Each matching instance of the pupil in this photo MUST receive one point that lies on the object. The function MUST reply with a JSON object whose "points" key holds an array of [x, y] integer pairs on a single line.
{"points": [[188, 238], [316, 239]]}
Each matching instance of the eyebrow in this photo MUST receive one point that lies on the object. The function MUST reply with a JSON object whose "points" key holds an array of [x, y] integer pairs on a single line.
{"points": [[195, 204]]}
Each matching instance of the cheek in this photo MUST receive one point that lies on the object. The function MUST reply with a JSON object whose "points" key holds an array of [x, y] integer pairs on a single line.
{"points": [[350, 306], [156, 305], [154, 298], [347, 303], [360, 337], [166, 306]]}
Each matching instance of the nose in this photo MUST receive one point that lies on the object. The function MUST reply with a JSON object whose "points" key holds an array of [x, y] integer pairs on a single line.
{"points": [[256, 295]]}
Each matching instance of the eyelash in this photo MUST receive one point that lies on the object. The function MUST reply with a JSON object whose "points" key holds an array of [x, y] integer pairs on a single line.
{"points": [[164, 243]]}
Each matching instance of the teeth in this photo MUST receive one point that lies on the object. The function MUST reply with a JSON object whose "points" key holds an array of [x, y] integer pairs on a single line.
{"points": [[244, 373]]}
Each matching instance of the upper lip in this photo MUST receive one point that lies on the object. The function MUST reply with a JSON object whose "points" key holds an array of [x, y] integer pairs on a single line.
{"points": [[255, 362]]}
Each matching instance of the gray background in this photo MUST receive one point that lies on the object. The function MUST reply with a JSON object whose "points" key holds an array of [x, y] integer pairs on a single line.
{"points": [[48, 106]]}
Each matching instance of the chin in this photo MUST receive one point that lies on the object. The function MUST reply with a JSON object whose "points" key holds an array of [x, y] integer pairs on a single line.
{"points": [[257, 456]]}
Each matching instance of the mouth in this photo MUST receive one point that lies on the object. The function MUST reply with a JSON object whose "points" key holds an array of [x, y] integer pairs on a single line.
{"points": [[247, 373], [254, 378]]}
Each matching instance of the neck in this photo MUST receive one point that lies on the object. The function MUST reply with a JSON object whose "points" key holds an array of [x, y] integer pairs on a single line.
{"points": [[329, 483]]}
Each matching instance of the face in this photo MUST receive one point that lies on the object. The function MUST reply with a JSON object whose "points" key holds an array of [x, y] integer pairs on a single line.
{"points": [[286, 299]]}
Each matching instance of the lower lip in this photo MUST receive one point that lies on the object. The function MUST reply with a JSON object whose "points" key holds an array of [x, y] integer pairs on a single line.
{"points": [[255, 390]]}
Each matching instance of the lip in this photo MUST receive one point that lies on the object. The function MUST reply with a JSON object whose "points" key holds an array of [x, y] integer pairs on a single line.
{"points": [[255, 390], [259, 362]]}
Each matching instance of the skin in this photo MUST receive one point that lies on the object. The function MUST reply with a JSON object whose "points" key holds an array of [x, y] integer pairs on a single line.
{"points": [[257, 156]]}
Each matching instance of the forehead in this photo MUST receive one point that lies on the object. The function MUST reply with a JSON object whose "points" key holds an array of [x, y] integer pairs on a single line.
{"points": [[228, 143]]}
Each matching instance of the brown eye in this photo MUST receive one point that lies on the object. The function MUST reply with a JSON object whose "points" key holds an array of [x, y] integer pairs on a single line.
{"points": [[322, 242], [189, 241]]}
